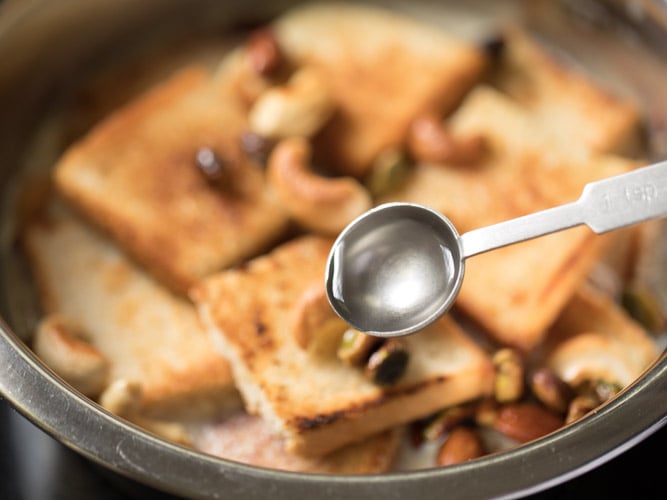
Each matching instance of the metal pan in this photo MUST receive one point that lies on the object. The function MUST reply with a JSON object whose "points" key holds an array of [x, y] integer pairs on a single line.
{"points": [[45, 45]]}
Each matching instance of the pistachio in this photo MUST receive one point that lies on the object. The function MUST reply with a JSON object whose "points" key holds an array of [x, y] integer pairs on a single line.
{"points": [[524, 422], [263, 51], [388, 364], [643, 305], [600, 389], [462, 444], [509, 379], [429, 140], [446, 420], [387, 172], [551, 390], [355, 347]]}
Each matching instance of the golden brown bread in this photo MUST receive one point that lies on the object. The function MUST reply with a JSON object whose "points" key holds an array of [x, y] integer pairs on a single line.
{"points": [[146, 334], [566, 102], [135, 175], [382, 68], [311, 398], [514, 292]]}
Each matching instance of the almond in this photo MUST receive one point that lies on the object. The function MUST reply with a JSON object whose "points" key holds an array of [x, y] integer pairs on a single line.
{"points": [[525, 421], [462, 444]]}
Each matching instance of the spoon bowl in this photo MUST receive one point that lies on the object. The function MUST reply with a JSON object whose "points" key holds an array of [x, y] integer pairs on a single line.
{"points": [[395, 269]]}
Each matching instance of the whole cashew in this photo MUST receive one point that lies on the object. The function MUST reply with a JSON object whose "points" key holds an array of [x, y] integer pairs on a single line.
{"points": [[299, 108], [592, 356], [314, 323], [320, 204], [62, 346]]}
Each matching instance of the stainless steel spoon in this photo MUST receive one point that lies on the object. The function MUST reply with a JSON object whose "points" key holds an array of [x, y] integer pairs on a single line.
{"points": [[399, 267]]}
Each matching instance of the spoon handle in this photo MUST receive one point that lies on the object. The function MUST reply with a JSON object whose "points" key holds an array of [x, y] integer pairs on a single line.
{"points": [[604, 205]]}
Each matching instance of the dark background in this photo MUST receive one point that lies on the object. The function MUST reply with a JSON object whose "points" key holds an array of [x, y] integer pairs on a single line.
{"points": [[33, 466]]}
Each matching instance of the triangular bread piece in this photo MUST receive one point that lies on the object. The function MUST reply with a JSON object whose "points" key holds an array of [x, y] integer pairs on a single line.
{"points": [[312, 398], [514, 292]]}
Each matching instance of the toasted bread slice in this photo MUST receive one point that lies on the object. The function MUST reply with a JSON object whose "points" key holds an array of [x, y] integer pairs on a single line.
{"points": [[383, 69], [312, 398], [514, 292], [147, 335], [250, 439], [135, 175], [594, 338], [564, 100]]}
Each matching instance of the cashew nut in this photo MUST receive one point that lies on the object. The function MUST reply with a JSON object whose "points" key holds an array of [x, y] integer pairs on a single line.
{"points": [[592, 356], [122, 397], [314, 324], [300, 108], [320, 204], [62, 346], [430, 141]]}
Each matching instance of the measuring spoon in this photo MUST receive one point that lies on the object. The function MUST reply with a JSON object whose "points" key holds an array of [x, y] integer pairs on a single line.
{"points": [[399, 267]]}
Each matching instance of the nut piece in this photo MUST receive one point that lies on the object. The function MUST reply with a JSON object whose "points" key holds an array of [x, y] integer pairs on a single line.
{"points": [[388, 364], [524, 422], [580, 407], [387, 172], [602, 390], [643, 305], [551, 390], [300, 108], [429, 141], [462, 444], [592, 356], [263, 51], [508, 384], [355, 347], [320, 204], [314, 323], [122, 397], [63, 347], [447, 420]]}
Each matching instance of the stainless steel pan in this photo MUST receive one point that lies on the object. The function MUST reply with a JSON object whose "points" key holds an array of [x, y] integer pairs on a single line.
{"points": [[44, 46]]}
